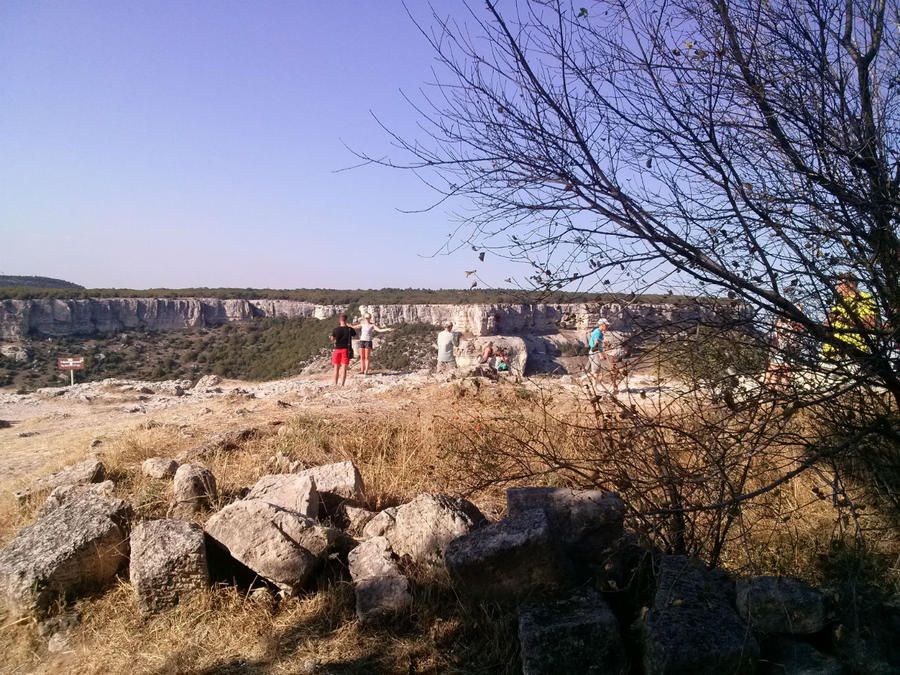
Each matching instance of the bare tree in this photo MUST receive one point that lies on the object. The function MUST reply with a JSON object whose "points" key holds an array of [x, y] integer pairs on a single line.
{"points": [[742, 150], [751, 148]]}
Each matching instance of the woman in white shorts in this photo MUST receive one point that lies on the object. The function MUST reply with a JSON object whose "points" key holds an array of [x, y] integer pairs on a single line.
{"points": [[367, 331]]}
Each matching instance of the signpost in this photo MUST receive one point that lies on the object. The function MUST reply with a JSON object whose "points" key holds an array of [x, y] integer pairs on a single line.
{"points": [[71, 363]]}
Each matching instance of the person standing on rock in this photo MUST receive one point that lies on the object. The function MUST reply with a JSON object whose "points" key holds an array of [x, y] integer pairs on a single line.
{"points": [[447, 341], [366, 329], [341, 338]]}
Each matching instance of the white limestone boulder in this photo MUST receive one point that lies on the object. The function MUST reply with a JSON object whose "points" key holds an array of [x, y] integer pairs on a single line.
{"points": [[159, 467], [341, 480], [194, 489], [381, 590], [423, 527], [289, 491], [280, 545]]}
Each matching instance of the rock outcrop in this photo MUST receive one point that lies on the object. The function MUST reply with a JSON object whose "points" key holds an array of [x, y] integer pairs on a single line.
{"points": [[57, 317], [194, 488]]}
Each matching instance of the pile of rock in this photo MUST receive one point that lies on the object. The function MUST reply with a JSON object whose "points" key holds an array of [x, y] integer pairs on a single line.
{"points": [[589, 599]]}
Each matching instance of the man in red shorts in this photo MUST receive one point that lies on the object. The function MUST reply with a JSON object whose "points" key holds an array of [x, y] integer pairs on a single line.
{"points": [[341, 337]]}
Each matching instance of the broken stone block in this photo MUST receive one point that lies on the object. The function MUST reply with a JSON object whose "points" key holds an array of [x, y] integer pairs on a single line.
{"points": [[692, 626], [86, 471], [381, 590], [423, 527], [194, 488], [67, 493], [773, 604], [508, 560], [586, 521], [159, 467], [168, 562], [282, 546], [574, 634], [341, 480], [76, 547], [290, 491]]}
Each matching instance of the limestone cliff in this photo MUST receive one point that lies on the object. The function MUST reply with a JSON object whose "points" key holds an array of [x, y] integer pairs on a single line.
{"points": [[53, 317]]}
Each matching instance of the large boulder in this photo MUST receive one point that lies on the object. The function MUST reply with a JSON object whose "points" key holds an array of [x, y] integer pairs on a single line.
{"points": [[574, 634], [508, 560], [193, 490], [586, 521], [168, 561], [692, 626], [76, 547], [381, 590], [423, 527], [780, 605], [87, 471], [279, 545], [159, 467], [67, 493], [341, 481], [289, 491]]}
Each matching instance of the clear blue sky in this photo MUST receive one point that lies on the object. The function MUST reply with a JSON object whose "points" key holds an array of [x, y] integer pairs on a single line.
{"points": [[181, 143]]}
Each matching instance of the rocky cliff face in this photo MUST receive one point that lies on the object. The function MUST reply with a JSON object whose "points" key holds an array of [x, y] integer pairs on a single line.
{"points": [[51, 317]]}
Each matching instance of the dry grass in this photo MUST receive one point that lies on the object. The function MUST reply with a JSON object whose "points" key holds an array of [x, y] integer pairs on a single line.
{"points": [[226, 630]]}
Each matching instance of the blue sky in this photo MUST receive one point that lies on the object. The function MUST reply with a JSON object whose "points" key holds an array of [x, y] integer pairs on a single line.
{"points": [[198, 143]]}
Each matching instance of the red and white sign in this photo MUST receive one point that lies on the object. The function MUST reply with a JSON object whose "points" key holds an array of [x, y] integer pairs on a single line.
{"points": [[71, 363]]}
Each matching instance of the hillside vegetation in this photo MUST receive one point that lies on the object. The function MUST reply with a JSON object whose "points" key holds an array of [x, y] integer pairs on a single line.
{"points": [[34, 282], [262, 349]]}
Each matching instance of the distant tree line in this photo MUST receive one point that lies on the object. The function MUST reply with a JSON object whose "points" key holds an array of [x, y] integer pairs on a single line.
{"points": [[328, 296]]}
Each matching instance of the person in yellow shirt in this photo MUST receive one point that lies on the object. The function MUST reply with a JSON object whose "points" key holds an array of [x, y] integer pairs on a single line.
{"points": [[853, 310]]}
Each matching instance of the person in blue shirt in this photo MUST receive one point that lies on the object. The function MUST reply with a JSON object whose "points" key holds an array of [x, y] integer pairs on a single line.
{"points": [[596, 354]]}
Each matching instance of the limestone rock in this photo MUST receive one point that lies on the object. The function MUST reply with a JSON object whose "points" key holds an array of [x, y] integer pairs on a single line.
{"points": [[67, 493], [194, 488], [279, 545], [381, 524], [574, 634], [86, 471], [168, 561], [423, 527], [356, 518], [586, 521], [75, 547], [159, 467], [780, 605], [381, 590], [692, 626], [511, 559], [342, 480], [207, 382], [289, 491]]}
